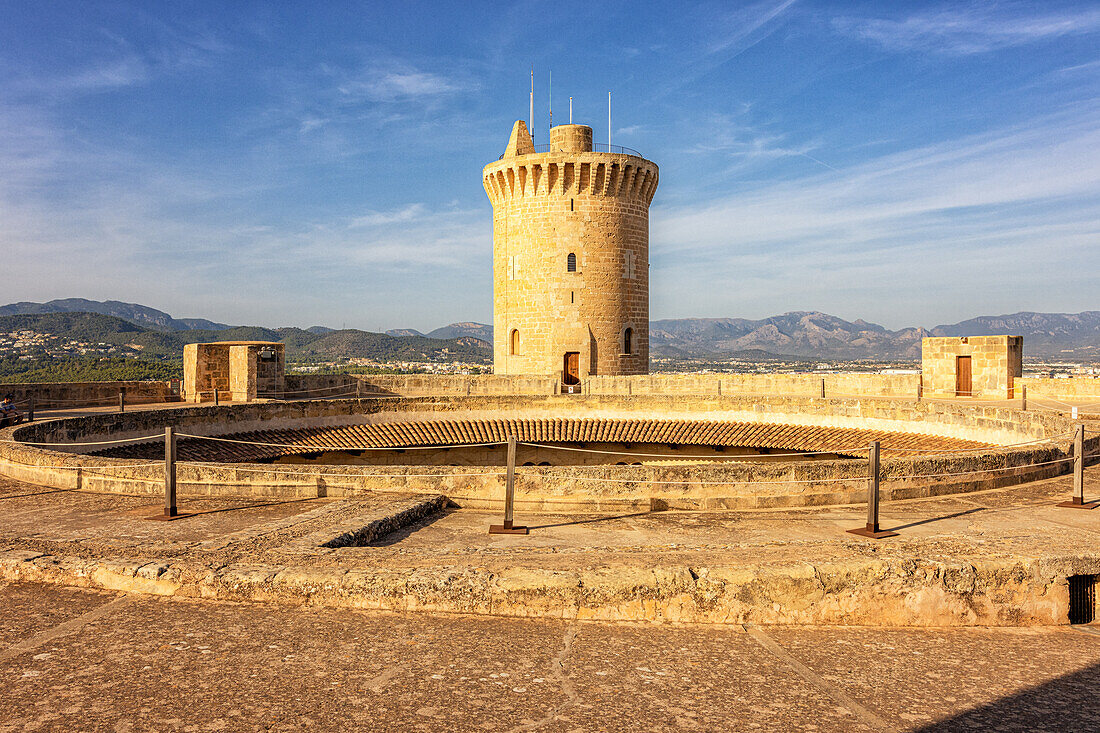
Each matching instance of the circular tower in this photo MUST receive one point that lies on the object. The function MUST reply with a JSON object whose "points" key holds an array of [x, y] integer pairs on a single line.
{"points": [[570, 256]]}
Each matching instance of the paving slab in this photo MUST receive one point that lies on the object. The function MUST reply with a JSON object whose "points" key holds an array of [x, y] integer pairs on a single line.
{"points": [[145, 663], [26, 610]]}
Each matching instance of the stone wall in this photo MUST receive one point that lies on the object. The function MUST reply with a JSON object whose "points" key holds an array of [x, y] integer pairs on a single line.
{"points": [[562, 488], [995, 362], [546, 208], [324, 386], [1073, 388], [90, 394], [300, 386], [810, 385], [232, 370]]}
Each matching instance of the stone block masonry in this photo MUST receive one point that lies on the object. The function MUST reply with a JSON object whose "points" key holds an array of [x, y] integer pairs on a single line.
{"points": [[240, 371], [570, 257], [974, 366]]}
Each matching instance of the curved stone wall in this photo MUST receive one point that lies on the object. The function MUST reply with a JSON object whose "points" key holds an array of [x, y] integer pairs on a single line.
{"points": [[546, 207], [572, 488]]}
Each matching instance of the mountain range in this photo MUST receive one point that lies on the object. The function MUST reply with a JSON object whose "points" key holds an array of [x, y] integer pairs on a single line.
{"points": [[801, 333], [132, 339]]}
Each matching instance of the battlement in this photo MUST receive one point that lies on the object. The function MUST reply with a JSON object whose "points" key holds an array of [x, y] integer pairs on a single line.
{"points": [[570, 256], [569, 167], [571, 175]]}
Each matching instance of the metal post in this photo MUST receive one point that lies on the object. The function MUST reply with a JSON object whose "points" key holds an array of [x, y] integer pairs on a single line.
{"points": [[1078, 500], [170, 510], [509, 495], [122, 401], [872, 529], [170, 472], [30, 408], [1023, 398], [215, 397], [823, 387], [920, 391]]}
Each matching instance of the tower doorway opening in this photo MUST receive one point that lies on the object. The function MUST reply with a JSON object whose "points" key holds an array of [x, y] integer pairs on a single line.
{"points": [[964, 385], [571, 368]]}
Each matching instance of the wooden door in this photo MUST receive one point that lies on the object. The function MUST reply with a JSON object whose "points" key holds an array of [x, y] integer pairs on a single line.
{"points": [[571, 373], [964, 386]]}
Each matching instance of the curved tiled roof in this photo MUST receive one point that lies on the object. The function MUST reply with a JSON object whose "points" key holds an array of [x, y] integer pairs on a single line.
{"points": [[543, 430]]}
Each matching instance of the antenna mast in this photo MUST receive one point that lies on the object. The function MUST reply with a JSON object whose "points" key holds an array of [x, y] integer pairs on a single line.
{"points": [[570, 110], [531, 112], [609, 122], [550, 88]]}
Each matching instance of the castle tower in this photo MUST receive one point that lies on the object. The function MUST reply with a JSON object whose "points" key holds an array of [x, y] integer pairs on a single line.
{"points": [[570, 256]]}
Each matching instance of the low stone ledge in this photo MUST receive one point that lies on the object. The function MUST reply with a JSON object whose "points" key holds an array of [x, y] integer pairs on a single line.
{"points": [[361, 531], [905, 592]]}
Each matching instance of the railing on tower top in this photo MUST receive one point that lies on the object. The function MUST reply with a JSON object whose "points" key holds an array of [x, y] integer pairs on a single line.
{"points": [[596, 148]]}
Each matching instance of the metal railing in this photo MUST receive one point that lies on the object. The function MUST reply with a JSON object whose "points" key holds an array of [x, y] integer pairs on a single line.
{"points": [[596, 148]]}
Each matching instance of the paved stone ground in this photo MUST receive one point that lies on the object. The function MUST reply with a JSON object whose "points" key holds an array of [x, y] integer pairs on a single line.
{"points": [[1005, 523], [74, 659]]}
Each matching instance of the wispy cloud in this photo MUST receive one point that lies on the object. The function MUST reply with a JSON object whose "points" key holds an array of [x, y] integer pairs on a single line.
{"points": [[726, 35], [381, 218], [97, 76], [397, 84], [971, 29], [999, 215]]}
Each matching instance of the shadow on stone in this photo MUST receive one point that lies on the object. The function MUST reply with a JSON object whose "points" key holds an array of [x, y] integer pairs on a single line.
{"points": [[1064, 703]]}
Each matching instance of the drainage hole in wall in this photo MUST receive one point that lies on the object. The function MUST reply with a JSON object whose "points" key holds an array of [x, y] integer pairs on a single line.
{"points": [[1082, 599]]}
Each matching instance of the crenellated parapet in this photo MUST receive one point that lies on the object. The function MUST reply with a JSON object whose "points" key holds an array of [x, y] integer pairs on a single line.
{"points": [[570, 256], [567, 174]]}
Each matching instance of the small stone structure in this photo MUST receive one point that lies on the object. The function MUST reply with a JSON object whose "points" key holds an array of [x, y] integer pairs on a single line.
{"points": [[570, 256], [971, 366], [241, 371]]}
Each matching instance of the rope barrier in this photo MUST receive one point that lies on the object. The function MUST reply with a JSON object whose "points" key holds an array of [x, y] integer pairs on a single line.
{"points": [[337, 447], [987, 448], [983, 470], [151, 462], [662, 455], [75, 445], [702, 483], [347, 475]]}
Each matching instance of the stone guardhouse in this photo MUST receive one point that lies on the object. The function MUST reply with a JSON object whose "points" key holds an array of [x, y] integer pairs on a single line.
{"points": [[570, 256], [238, 371], [971, 366]]}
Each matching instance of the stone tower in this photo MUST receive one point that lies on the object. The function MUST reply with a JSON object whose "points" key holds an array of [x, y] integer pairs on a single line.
{"points": [[570, 256]]}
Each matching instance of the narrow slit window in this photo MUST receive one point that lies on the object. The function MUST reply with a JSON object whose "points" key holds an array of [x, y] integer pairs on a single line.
{"points": [[514, 347], [571, 263], [628, 341]]}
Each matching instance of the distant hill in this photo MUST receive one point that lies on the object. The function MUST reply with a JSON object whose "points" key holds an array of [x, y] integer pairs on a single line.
{"points": [[821, 336], [479, 331], [140, 314], [808, 334], [300, 344]]}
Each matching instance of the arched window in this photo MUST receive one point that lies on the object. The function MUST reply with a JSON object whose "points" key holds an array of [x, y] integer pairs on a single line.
{"points": [[628, 341], [571, 263], [514, 348]]}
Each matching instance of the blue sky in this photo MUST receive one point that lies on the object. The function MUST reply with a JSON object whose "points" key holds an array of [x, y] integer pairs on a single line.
{"points": [[320, 163]]}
